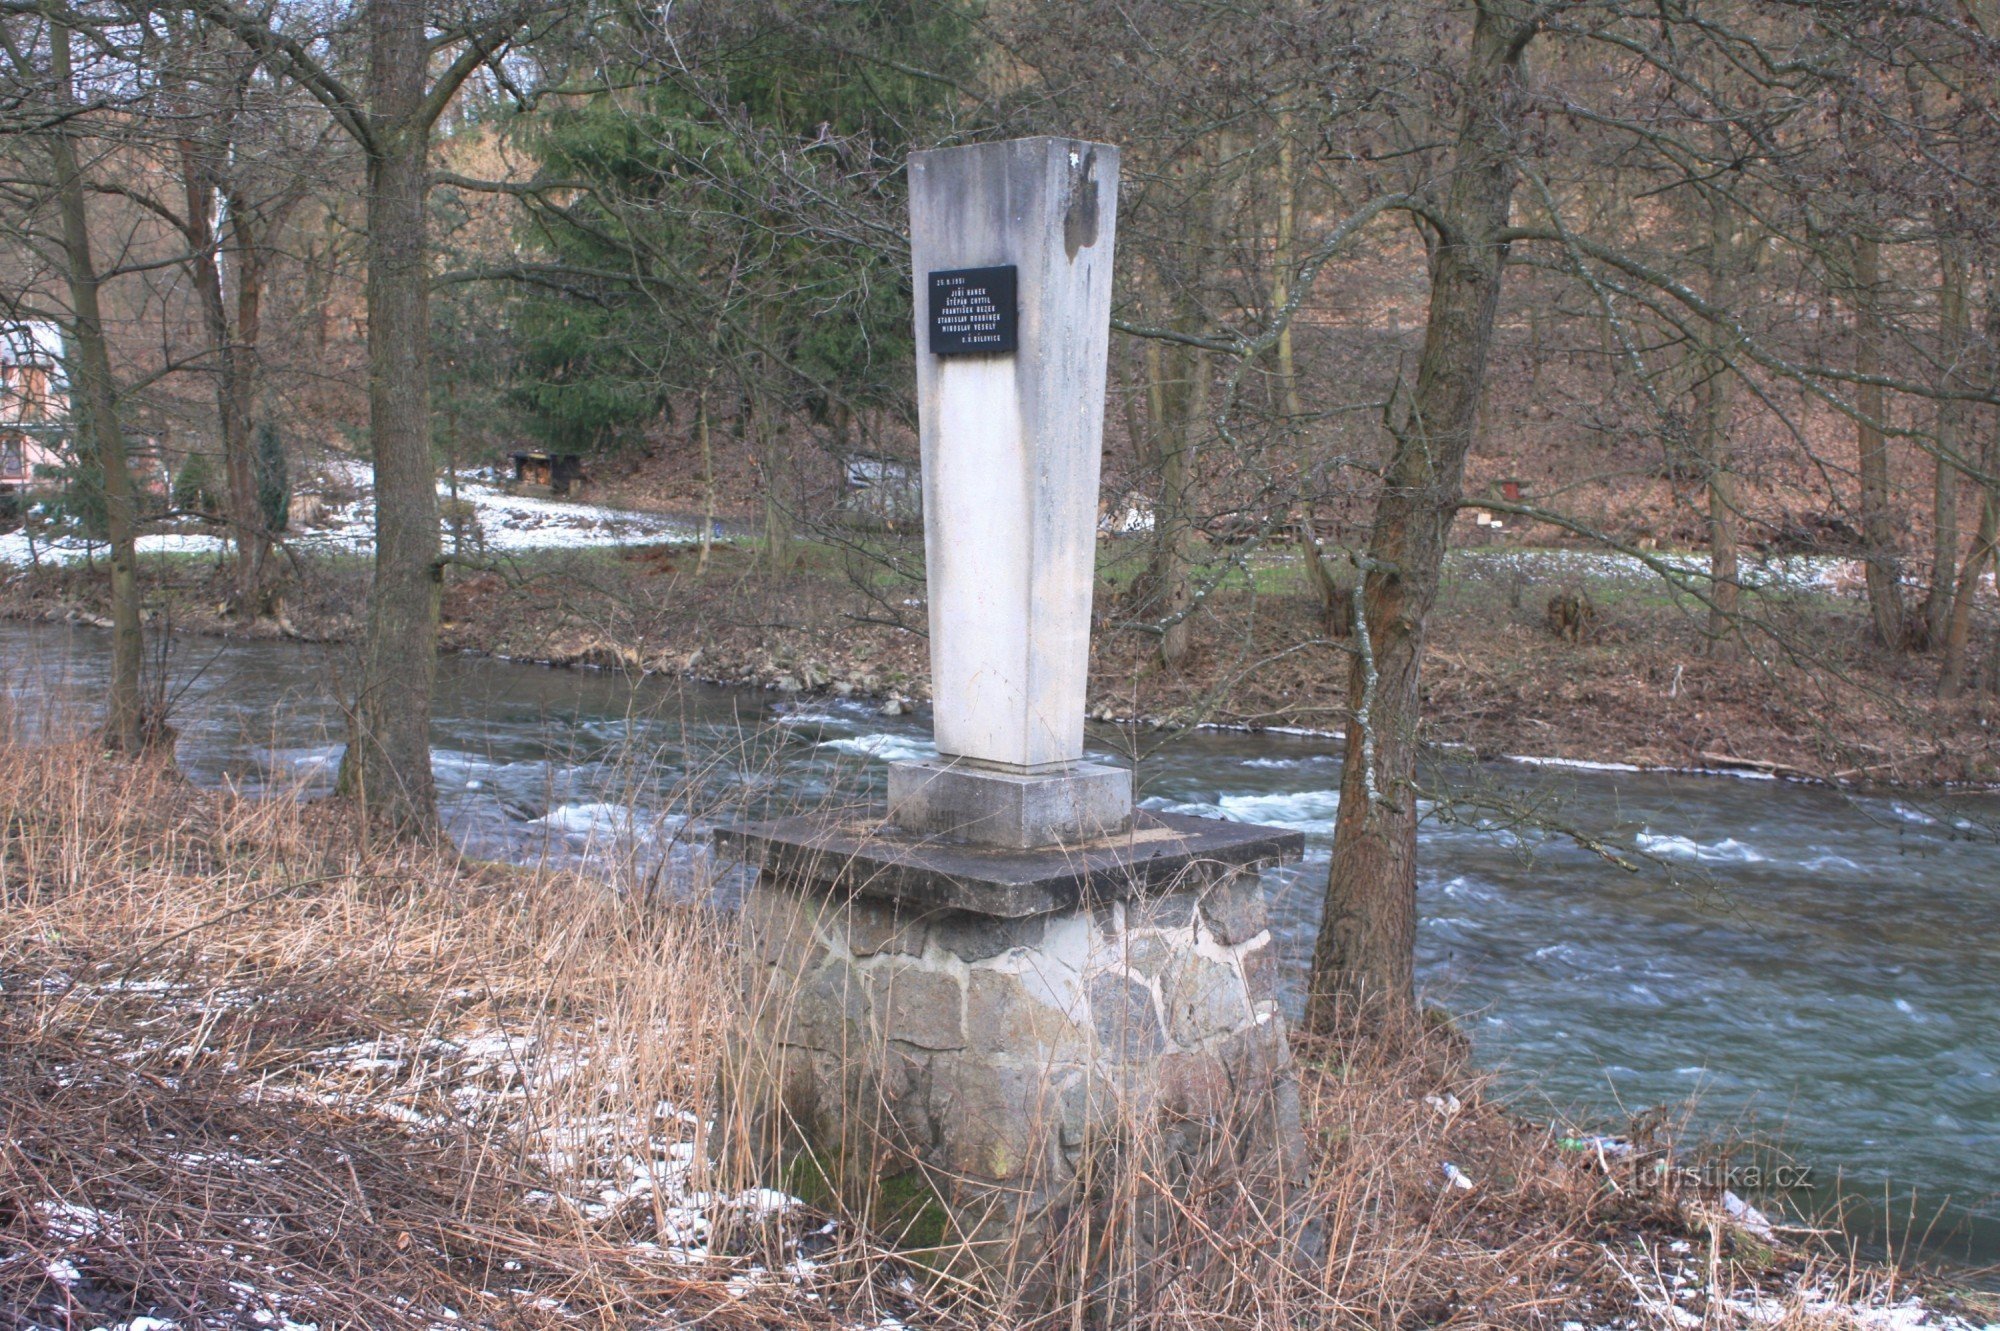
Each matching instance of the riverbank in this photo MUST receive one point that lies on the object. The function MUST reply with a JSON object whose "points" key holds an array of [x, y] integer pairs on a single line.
{"points": [[1810, 700], [263, 1071]]}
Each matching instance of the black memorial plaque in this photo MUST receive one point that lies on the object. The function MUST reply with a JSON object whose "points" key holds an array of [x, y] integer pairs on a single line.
{"points": [[973, 310]]}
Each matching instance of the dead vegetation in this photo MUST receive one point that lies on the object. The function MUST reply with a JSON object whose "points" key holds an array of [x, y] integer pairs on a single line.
{"points": [[257, 1073]]}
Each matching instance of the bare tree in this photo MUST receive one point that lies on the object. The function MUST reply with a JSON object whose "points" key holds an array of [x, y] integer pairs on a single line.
{"points": [[387, 765], [1979, 559], [61, 125], [1364, 965], [1881, 558], [243, 169]]}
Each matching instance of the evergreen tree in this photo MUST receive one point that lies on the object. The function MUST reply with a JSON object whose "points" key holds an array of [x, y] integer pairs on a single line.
{"points": [[78, 502], [274, 479], [715, 198], [196, 489]]}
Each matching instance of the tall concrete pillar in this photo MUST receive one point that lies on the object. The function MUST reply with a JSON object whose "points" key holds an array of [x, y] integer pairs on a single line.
{"points": [[1011, 247]]}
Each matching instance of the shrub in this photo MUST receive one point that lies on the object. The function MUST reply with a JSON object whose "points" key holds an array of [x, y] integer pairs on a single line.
{"points": [[76, 505], [461, 524], [274, 478], [196, 489]]}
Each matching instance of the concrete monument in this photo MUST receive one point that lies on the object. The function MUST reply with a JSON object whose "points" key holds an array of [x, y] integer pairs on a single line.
{"points": [[975, 1010], [1011, 449]]}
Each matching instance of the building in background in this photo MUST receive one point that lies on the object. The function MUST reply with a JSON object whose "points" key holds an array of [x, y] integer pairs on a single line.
{"points": [[34, 403]]}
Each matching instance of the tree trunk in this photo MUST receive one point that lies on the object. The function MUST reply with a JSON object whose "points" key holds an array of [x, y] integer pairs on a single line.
{"points": [[232, 396], [1132, 399], [1281, 268], [1335, 602], [387, 766], [1364, 962], [459, 524], [1958, 628], [1178, 393], [707, 479], [96, 407], [246, 385], [1712, 405], [1953, 339], [1883, 560], [773, 449], [321, 260]]}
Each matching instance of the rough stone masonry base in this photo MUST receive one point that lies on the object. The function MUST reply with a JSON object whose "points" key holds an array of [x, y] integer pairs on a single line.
{"points": [[1068, 1100]]}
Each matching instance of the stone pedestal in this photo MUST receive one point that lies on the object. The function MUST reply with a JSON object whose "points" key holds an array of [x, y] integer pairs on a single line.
{"points": [[1011, 1021], [954, 800], [1066, 1086]]}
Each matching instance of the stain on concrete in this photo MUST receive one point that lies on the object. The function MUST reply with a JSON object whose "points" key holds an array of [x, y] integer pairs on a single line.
{"points": [[1080, 219]]}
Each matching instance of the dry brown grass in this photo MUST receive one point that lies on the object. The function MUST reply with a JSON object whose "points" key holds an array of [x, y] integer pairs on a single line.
{"points": [[253, 1072]]}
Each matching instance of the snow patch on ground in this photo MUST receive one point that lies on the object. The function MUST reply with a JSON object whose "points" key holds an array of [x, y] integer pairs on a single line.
{"points": [[1675, 1292], [508, 524], [636, 1174], [1833, 574]]}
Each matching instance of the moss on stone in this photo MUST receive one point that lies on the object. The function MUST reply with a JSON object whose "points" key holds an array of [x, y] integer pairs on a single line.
{"points": [[905, 1209], [806, 1179], [909, 1210]]}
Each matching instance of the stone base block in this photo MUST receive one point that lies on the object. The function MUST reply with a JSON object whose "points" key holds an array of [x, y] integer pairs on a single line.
{"points": [[1085, 1102], [955, 801]]}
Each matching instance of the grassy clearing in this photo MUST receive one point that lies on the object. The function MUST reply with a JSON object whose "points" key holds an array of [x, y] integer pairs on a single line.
{"points": [[259, 1072]]}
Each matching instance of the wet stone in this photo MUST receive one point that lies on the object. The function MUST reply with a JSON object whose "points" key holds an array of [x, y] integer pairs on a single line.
{"points": [[829, 1003], [1074, 1111], [918, 1006], [778, 927], [878, 926], [977, 1104], [1234, 909], [757, 980], [979, 937], [1148, 956], [1203, 999], [1195, 1085], [1122, 1012], [1260, 972], [1002, 1016], [1173, 911], [1255, 1055]]}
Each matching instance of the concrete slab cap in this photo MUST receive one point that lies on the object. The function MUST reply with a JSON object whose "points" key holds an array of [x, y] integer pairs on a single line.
{"points": [[872, 857]]}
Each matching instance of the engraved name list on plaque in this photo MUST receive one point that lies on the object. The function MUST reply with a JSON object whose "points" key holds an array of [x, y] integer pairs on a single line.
{"points": [[974, 310]]}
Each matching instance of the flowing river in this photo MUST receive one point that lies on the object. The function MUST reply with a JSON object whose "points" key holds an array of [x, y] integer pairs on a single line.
{"points": [[1819, 967]]}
